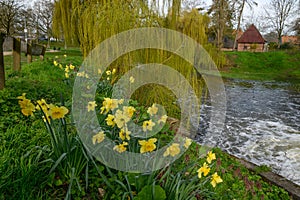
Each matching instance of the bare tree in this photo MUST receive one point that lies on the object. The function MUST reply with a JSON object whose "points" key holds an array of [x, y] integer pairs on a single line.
{"points": [[241, 5], [44, 17], [9, 10], [279, 13], [192, 4]]}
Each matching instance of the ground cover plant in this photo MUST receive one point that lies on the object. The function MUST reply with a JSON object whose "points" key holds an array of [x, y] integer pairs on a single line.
{"points": [[42, 156]]}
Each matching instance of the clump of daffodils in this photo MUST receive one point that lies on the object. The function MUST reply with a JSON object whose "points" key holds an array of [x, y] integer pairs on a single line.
{"points": [[69, 69], [205, 170], [50, 111], [119, 117]]}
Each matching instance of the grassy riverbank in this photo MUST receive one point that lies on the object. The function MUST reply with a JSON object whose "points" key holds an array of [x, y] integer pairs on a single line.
{"points": [[266, 66], [27, 159]]}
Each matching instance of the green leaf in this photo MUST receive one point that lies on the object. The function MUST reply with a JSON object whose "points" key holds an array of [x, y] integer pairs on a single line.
{"points": [[151, 192]]}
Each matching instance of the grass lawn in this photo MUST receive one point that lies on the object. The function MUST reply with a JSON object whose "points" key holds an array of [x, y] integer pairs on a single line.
{"points": [[266, 66], [31, 168]]}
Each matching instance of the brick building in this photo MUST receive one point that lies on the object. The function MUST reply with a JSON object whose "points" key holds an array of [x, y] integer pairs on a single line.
{"points": [[252, 40]]}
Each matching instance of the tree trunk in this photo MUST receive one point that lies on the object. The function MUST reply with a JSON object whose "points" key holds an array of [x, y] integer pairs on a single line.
{"points": [[239, 24], [2, 71], [279, 40]]}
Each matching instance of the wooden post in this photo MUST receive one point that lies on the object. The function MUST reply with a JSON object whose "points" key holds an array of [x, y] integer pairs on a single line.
{"points": [[43, 53], [29, 53], [2, 71], [17, 54]]}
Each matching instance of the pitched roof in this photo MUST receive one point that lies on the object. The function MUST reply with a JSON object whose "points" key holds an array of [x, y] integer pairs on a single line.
{"points": [[251, 35]]}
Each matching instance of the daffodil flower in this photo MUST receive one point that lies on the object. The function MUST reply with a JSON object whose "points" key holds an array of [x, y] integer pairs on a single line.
{"points": [[148, 125], [110, 120], [163, 119], [187, 143], [147, 145], [121, 147], [121, 119], [72, 67], [27, 108], [210, 156], [215, 179], [129, 111], [109, 104], [124, 134], [152, 110], [204, 169], [99, 137], [131, 79], [91, 106], [56, 112], [172, 150]]}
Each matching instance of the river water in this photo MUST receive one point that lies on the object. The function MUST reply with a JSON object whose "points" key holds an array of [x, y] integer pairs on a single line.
{"points": [[262, 125]]}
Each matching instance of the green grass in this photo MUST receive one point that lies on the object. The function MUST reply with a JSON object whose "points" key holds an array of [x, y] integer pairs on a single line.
{"points": [[266, 66], [25, 147]]}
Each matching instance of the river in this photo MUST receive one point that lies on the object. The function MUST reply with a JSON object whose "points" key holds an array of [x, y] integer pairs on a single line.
{"points": [[262, 125]]}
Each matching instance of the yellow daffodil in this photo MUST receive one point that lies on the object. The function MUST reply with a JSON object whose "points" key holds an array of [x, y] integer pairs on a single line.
{"points": [[109, 104], [22, 97], [163, 119], [131, 79], [99, 137], [121, 147], [65, 55], [148, 125], [114, 71], [124, 134], [67, 75], [172, 150], [204, 169], [108, 78], [87, 76], [147, 145], [215, 179], [67, 69], [121, 119], [108, 72], [81, 74], [110, 120], [55, 63], [210, 156], [27, 108], [91, 106], [152, 110], [60, 66], [129, 111], [43, 104], [187, 143], [72, 67], [56, 112]]}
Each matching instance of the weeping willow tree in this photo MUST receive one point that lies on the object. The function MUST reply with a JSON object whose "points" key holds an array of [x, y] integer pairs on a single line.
{"points": [[90, 22]]}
